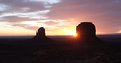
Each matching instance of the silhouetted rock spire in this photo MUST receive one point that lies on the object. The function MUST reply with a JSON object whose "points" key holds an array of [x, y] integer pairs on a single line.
{"points": [[40, 33], [41, 40]]}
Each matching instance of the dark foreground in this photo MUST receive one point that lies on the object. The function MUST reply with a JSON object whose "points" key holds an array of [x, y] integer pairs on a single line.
{"points": [[59, 50]]}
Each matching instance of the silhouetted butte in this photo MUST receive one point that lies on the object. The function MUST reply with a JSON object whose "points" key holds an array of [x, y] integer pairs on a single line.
{"points": [[41, 40], [86, 32], [40, 34]]}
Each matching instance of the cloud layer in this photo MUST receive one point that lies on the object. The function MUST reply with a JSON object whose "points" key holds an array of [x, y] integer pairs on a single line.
{"points": [[61, 15], [104, 13]]}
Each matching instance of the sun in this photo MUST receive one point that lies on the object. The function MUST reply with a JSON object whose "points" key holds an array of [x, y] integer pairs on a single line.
{"points": [[71, 32], [75, 35]]}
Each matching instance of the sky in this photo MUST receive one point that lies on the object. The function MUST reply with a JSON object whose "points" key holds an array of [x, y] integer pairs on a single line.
{"points": [[58, 17]]}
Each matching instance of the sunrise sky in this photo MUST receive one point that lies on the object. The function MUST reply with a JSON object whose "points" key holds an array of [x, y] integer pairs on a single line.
{"points": [[59, 17]]}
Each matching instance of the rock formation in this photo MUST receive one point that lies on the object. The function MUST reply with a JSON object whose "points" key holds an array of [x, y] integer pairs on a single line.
{"points": [[41, 40], [40, 34], [86, 32]]}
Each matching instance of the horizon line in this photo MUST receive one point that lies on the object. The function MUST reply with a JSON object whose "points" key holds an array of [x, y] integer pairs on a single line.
{"points": [[53, 35]]}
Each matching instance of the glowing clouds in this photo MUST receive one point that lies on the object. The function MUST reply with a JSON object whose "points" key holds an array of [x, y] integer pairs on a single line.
{"points": [[3, 7], [46, 1]]}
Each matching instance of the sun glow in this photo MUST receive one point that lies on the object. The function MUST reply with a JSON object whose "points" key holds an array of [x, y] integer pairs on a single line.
{"points": [[71, 32], [75, 35]]}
